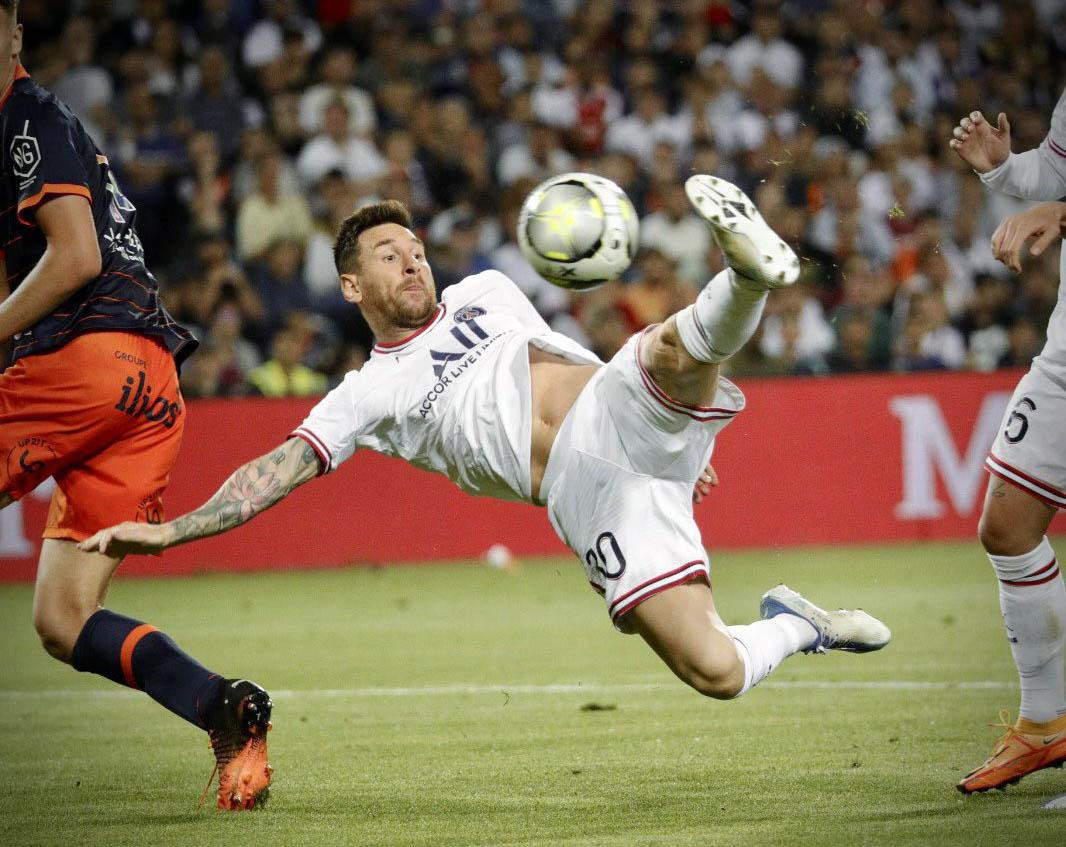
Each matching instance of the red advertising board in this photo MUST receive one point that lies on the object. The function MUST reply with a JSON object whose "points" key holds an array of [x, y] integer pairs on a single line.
{"points": [[809, 461]]}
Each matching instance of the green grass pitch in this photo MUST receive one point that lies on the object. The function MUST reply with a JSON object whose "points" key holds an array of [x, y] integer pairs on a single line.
{"points": [[461, 705]]}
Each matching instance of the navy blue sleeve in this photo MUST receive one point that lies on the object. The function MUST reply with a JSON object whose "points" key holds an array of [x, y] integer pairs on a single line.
{"points": [[44, 154]]}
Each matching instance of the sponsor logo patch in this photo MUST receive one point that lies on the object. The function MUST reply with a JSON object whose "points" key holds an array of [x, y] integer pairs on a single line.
{"points": [[31, 455], [25, 153]]}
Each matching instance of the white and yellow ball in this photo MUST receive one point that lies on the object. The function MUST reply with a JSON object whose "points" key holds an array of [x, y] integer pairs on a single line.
{"points": [[578, 230]]}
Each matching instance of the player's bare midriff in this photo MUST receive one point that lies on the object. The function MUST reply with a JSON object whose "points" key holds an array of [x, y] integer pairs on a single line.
{"points": [[556, 382]]}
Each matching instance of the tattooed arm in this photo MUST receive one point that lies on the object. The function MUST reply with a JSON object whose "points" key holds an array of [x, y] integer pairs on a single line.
{"points": [[251, 489]]}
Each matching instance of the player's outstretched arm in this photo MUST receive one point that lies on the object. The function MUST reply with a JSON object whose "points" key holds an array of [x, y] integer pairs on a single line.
{"points": [[251, 489]]}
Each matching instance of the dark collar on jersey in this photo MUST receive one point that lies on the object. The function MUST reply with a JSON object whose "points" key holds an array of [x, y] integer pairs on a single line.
{"points": [[20, 73]]}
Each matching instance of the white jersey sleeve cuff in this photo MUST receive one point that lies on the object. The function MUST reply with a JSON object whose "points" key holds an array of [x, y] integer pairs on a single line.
{"points": [[325, 457]]}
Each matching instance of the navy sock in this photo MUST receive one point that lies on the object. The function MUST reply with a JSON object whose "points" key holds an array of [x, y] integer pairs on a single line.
{"points": [[138, 655]]}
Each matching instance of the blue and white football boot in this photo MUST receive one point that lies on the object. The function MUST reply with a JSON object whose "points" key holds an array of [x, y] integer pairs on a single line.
{"points": [[852, 630]]}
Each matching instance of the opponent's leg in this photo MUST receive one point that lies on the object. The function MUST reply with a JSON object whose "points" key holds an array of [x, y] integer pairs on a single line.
{"points": [[75, 628], [683, 353], [1032, 598]]}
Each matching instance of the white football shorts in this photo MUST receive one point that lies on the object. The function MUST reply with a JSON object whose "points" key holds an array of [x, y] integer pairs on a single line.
{"points": [[620, 477], [1030, 449]]}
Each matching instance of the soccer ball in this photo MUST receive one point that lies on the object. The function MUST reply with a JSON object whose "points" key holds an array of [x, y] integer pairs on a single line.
{"points": [[578, 230]]}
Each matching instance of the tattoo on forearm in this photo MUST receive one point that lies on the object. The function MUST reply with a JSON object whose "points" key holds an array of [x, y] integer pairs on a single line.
{"points": [[998, 489], [251, 489]]}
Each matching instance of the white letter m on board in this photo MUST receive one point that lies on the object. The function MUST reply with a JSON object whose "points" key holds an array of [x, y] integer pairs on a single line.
{"points": [[927, 447]]}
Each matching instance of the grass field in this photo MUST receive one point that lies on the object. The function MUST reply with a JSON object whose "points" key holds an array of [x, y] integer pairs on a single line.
{"points": [[460, 705]]}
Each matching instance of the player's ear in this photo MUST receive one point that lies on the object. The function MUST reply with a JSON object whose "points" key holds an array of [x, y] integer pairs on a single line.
{"points": [[16, 40], [350, 288]]}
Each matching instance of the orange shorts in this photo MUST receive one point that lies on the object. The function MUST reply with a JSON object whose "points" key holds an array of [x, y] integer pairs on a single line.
{"points": [[103, 415]]}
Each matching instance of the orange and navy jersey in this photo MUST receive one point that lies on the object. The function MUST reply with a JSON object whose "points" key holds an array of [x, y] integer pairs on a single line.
{"points": [[45, 153]]}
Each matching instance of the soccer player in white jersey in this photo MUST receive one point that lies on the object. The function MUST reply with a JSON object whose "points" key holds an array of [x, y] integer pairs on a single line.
{"points": [[479, 388], [1028, 459]]}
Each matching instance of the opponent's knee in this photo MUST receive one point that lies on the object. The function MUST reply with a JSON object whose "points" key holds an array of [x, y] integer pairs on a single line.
{"points": [[720, 679], [58, 627]]}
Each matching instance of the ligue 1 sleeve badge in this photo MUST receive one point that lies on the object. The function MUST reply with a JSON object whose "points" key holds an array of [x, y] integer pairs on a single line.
{"points": [[25, 153]]}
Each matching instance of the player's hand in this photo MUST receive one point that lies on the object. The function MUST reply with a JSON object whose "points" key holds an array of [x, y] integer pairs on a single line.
{"points": [[707, 480], [125, 538], [981, 145], [1043, 222]]}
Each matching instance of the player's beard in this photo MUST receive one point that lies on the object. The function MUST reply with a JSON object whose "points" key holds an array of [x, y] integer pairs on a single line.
{"points": [[404, 311]]}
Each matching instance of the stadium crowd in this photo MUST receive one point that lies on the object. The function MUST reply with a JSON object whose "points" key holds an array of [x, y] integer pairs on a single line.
{"points": [[244, 131]]}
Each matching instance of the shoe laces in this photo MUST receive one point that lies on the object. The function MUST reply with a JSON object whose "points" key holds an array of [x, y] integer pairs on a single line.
{"points": [[1009, 731], [226, 745]]}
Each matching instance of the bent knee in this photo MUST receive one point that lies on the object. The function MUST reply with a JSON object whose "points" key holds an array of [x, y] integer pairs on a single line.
{"points": [[721, 680], [1001, 536], [59, 628]]}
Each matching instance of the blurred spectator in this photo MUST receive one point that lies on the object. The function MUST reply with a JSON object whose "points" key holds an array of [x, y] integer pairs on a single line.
{"points": [[149, 158], [455, 239], [764, 49], [678, 232], [337, 148], [795, 329], [84, 86], [928, 341], [213, 102], [1024, 340], [278, 280], [656, 292], [637, 133], [337, 71], [285, 375], [540, 156], [855, 344], [604, 323], [268, 214], [265, 42]]}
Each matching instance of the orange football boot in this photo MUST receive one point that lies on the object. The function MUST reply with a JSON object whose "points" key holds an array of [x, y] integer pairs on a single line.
{"points": [[1024, 748], [238, 739]]}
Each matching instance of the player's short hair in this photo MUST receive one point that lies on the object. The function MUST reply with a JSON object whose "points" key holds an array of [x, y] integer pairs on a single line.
{"points": [[346, 248], [10, 6]]}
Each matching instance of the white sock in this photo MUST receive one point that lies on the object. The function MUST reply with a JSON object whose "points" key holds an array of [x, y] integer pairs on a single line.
{"points": [[723, 317], [763, 645], [1032, 598]]}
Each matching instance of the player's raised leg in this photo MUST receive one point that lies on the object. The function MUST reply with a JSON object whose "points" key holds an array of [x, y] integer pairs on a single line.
{"points": [[1032, 598], [683, 353]]}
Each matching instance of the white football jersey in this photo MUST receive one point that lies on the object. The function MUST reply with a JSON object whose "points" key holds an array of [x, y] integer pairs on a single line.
{"points": [[1040, 174], [453, 397]]}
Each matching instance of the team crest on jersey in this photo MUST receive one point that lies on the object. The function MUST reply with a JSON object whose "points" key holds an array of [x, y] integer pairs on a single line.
{"points": [[468, 313], [25, 153]]}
